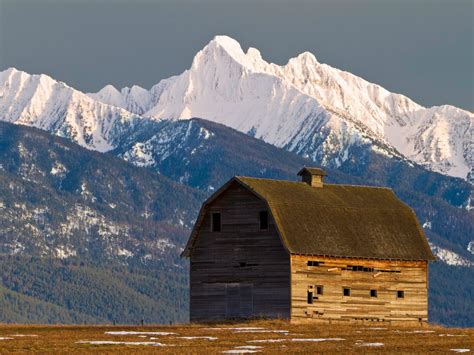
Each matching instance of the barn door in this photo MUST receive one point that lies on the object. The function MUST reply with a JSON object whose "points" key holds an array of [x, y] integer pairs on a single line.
{"points": [[239, 300]]}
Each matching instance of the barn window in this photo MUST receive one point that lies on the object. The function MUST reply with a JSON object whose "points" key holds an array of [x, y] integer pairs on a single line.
{"points": [[346, 291], [314, 263], [373, 293], [310, 297], [400, 294], [319, 290], [263, 219], [216, 222]]}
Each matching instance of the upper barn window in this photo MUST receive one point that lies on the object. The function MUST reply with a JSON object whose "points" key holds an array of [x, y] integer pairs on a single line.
{"points": [[263, 219], [216, 222]]}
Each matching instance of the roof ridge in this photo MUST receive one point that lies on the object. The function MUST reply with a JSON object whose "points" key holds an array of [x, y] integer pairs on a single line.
{"points": [[325, 184]]}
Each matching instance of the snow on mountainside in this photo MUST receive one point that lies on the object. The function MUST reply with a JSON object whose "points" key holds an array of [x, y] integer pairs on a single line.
{"points": [[304, 106], [42, 102], [310, 108]]}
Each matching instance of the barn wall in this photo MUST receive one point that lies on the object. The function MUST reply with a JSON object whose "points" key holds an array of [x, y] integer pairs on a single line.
{"points": [[220, 287], [332, 305]]}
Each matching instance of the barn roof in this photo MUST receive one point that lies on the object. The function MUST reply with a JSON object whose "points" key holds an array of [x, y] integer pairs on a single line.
{"points": [[337, 220]]}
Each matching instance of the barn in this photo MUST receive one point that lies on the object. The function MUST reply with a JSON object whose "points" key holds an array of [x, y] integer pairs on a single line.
{"points": [[307, 251]]}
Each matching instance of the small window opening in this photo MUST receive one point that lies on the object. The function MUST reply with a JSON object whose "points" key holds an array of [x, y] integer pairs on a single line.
{"points": [[373, 293], [346, 291], [319, 290], [216, 222], [263, 219], [310, 297], [400, 294], [314, 263]]}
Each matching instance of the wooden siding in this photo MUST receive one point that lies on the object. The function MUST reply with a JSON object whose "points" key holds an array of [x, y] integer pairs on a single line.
{"points": [[221, 286], [359, 306]]}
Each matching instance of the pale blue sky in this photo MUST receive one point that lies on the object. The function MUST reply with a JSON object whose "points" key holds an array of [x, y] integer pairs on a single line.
{"points": [[421, 48]]}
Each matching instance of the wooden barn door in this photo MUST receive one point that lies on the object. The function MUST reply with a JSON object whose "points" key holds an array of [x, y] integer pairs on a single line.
{"points": [[239, 300]]}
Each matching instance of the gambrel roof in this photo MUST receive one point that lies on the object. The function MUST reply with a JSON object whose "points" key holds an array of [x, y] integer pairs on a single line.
{"points": [[336, 220]]}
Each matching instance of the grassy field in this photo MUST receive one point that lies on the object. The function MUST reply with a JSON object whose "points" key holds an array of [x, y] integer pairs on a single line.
{"points": [[259, 336]]}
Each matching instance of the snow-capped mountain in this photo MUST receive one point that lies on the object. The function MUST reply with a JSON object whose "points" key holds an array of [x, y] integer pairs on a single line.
{"points": [[42, 102], [304, 106], [307, 107]]}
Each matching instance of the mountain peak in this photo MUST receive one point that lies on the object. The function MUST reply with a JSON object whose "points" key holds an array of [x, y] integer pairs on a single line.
{"points": [[227, 42], [224, 45], [307, 58], [109, 90]]}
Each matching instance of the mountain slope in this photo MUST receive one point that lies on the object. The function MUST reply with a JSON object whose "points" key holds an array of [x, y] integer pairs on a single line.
{"points": [[58, 199], [44, 290], [42, 102], [205, 155], [87, 237], [311, 108]]}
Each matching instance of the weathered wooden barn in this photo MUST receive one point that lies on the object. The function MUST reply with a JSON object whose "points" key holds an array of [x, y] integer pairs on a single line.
{"points": [[307, 251]]}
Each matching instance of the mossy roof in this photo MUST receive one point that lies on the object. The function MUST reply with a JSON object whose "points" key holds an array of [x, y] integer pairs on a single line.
{"points": [[339, 220]]}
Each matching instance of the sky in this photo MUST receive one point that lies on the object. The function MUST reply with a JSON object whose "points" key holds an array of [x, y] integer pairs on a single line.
{"points": [[423, 49]]}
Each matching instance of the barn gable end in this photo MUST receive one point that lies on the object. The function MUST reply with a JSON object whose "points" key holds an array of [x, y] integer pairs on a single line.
{"points": [[241, 270]]}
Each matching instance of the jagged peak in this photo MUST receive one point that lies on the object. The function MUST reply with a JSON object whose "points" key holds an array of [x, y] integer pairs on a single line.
{"points": [[303, 59], [307, 57], [226, 42], [137, 89], [109, 89], [10, 70], [254, 53]]}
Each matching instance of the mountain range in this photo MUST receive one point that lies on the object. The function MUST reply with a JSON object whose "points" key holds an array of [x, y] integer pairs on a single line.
{"points": [[305, 106], [72, 216]]}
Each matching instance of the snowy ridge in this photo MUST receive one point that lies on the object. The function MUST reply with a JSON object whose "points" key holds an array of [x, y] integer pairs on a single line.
{"points": [[314, 109], [42, 102], [304, 106]]}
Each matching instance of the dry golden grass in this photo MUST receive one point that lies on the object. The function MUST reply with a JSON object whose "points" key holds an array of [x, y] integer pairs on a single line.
{"points": [[65, 339]]}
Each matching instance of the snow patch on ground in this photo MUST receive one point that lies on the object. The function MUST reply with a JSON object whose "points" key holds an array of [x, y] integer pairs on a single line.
{"points": [[460, 350], [139, 155], [316, 339], [124, 332], [449, 257], [470, 247], [58, 169], [124, 252], [109, 342], [64, 252], [313, 340], [237, 329], [370, 344], [199, 337], [204, 133], [421, 331], [261, 331]]}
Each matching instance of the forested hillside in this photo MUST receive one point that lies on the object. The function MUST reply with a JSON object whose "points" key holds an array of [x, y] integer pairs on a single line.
{"points": [[88, 237]]}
